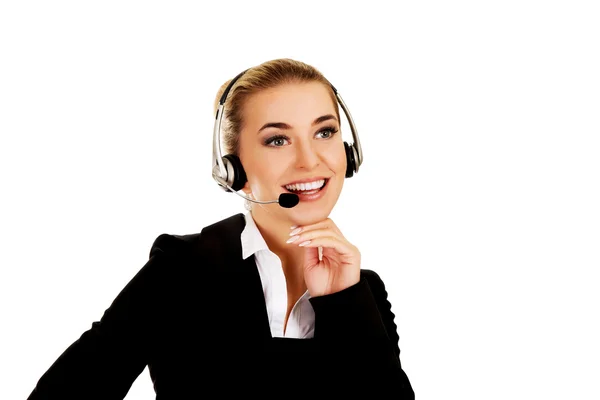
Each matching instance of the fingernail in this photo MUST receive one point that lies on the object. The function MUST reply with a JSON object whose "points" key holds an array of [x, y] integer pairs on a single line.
{"points": [[304, 243], [292, 239], [295, 231], [293, 226]]}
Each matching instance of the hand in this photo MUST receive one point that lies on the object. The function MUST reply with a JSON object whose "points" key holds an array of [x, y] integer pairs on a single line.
{"points": [[339, 267]]}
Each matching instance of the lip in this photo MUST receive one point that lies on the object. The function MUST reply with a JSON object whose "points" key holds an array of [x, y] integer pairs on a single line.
{"points": [[317, 178], [315, 196]]}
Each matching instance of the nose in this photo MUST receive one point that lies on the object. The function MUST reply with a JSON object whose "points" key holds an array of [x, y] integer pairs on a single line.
{"points": [[306, 156]]}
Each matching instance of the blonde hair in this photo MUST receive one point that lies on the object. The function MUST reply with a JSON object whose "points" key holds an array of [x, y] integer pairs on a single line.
{"points": [[264, 76]]}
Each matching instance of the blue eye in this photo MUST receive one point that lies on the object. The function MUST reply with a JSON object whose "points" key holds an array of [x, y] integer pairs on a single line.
{"points": [[277, 138], [332, 131], [276, 141]]}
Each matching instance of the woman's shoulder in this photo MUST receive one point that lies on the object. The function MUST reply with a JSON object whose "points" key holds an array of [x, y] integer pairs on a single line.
{"points": [[225, 232]]}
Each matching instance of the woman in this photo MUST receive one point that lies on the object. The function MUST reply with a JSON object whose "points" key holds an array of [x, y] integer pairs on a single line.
{"points": [[270, 303]]}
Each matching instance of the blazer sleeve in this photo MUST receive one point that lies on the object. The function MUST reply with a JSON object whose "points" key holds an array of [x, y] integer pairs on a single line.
{"points": [[106, 359], [356, 328]]}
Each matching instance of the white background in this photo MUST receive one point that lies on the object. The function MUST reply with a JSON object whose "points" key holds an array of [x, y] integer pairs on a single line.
{"points": [[477, 203]]}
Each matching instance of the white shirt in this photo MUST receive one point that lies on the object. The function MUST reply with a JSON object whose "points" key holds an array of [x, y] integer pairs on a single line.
{"points": [[301, 322]]}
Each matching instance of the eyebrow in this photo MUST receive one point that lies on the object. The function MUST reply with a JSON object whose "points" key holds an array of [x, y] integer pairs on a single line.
{"points": [[283, 125]]}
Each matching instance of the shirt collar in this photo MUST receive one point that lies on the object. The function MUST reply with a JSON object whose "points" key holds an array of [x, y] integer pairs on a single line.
{"points": [[252, 240]]}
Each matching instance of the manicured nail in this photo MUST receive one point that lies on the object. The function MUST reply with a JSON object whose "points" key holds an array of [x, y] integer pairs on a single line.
{"points": [[295, 231], [304, 243], [292, 239], [293, 226]]}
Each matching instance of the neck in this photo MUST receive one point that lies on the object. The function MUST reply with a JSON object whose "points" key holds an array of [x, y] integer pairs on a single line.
{"points": [[276, 231]]}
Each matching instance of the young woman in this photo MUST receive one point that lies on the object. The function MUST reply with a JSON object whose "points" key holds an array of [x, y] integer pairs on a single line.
{"points": [[273, 302]]}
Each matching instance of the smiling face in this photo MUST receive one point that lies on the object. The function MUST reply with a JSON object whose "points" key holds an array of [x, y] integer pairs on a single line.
{"points": [[291, 133]]}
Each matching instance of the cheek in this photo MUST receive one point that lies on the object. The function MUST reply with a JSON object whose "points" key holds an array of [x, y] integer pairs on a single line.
{"points": [[338, 161], [264, 171], [256, 161]]}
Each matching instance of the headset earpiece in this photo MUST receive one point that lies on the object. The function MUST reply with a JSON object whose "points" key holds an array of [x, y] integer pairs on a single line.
{"points": [[350, 160], [236, 176]]}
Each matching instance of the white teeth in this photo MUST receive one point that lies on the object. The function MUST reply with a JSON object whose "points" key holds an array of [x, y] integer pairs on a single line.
{"points": [[306, 186]]}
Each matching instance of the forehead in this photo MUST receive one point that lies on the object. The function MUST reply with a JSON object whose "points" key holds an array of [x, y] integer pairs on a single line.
{"points": [[299, 102]]}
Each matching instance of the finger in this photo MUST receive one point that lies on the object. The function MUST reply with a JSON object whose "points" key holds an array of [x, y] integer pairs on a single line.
{"points": [[329, 223], [310, 235], [325, 224], [343, 248]]}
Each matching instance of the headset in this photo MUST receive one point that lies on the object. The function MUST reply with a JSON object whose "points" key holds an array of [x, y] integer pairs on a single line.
{"points": [[228, 171]]}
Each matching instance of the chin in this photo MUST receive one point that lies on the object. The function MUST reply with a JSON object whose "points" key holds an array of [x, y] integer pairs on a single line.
{"points": [[309, 215]]}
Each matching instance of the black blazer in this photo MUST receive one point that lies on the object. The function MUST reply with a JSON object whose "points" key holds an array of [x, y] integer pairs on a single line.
{"points": [[195, 315]]}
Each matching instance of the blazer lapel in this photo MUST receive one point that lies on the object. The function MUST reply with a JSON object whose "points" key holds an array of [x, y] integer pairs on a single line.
{"points": [[243, 284], [252, 306]]}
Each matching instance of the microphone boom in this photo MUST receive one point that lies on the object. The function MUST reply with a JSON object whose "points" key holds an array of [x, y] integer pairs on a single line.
{"points": [[286, 200]]}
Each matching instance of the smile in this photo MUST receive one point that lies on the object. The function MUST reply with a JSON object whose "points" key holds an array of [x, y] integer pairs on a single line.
{"points": [[309, 191], [307, 186]]}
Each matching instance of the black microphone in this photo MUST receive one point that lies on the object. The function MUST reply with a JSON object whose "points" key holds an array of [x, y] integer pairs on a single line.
{"points": [[286, 200]]}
